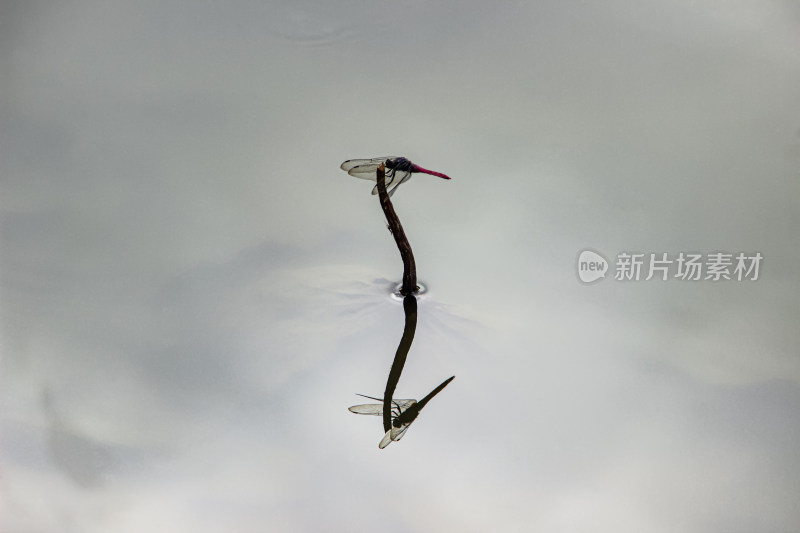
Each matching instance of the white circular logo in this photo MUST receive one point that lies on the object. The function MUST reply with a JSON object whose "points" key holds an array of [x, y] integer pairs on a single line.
{"points": [[591, 266]]}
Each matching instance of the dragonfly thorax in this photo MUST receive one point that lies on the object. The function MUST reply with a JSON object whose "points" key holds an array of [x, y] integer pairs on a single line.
{"points": [[400, 163], [407, 416]]}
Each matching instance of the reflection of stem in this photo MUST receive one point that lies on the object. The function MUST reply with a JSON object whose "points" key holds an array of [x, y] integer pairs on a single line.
{"points": [[409, 267], [410, 309]]}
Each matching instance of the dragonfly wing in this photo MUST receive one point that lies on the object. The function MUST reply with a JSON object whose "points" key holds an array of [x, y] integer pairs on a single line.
{"points": [[396, 178], [377, 408], [385, 440], [366, 169], [402, 177], [398, 407], [363, 168], [350, 164], [397, 433], [367, 409], [375, 191], [365, 172], [404, 404]]}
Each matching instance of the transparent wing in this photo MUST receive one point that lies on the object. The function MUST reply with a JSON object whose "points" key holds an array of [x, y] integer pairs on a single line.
{"points": [[365, 172], [377, 408], [364, 168], [350, 164], [367, 409], [398, 407], [404, 404], [396, 178], [385, 440], [401, 178], [397, 433]]}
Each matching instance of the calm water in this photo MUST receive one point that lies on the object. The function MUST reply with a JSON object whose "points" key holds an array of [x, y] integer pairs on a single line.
{"points": [[192, 291]]}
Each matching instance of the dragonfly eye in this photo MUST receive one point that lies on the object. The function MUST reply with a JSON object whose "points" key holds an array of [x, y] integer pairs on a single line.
{"points": [[396, 423]]}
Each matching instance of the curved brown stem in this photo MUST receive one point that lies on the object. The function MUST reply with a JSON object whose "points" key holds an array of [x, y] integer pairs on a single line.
{"points": [[409, 266]]}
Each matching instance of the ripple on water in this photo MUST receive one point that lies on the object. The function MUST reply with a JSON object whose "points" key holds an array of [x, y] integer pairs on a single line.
{"points": [[318, 24], [420, 294]]}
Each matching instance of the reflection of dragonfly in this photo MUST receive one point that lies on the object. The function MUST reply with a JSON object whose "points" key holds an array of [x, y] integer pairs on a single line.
{"points": [[398, 170], [403, 412]]}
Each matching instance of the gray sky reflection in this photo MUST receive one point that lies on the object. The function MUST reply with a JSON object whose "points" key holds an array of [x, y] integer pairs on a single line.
{"points": [[192, 291]]}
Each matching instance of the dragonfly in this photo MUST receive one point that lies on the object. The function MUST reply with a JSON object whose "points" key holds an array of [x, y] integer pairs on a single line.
{"points": [[404, 412], [398, 170]]}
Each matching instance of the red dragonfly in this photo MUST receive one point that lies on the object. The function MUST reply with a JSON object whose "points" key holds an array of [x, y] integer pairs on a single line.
{"points": [[403, 412], [398, 170]]}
